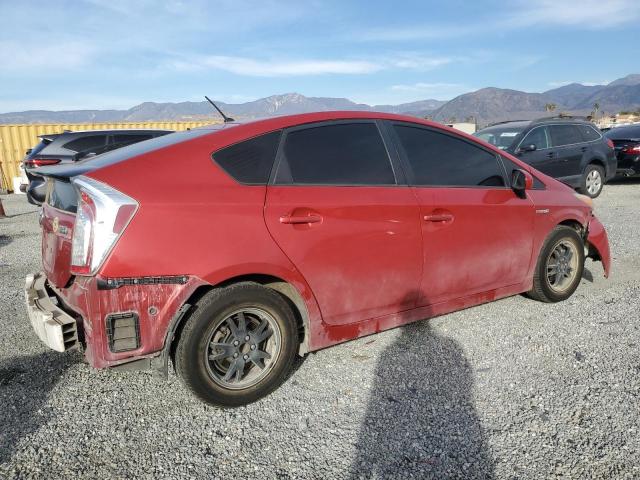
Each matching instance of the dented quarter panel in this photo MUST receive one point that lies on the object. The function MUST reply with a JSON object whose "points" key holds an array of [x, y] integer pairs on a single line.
{"points": [[600, 241]]}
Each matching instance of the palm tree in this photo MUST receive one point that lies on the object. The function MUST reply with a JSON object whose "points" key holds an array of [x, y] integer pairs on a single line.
{"points": [[550, 107], [596, 107]]}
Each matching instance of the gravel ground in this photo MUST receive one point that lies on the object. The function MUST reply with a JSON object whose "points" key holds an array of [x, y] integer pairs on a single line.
{"points": [[511, 389]]}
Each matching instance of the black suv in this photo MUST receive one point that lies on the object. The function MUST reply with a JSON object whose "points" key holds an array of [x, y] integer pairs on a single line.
{"points": [[68, 146], [567, 148]]}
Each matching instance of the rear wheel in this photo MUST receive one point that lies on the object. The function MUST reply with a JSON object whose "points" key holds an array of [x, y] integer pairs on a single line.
{"points": [[560, 265], [238, 345], [592, 180]]}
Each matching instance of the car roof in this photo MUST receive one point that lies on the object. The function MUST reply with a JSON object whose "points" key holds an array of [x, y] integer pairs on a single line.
{"points": [[522, 124], [104, 132]]}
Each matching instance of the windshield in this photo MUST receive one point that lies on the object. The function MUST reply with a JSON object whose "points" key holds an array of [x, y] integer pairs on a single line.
{"points": [[500, 137]]}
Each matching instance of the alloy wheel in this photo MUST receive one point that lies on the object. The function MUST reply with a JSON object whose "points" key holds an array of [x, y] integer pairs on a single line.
{"points": [[242, 348], [593, 182], [562, 266]]}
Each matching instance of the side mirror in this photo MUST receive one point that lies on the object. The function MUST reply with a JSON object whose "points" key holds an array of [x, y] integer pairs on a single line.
{"points": [[521, 181], [527, 148]]}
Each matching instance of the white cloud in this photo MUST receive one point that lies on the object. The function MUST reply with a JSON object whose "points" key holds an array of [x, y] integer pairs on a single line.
{"points": [[588, 14], [306, 67], [52, 56]]}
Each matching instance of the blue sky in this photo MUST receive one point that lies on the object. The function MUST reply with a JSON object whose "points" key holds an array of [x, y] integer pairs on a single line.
{"points": [[118, 53]]}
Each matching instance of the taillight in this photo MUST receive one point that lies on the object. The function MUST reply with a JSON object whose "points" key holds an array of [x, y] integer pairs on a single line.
{"points": [[610, 143], [102, 215], [632, 149], [40, 162]]}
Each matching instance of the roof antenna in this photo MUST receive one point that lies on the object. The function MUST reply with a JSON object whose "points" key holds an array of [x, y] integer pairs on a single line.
{"points": [[226, 119]]}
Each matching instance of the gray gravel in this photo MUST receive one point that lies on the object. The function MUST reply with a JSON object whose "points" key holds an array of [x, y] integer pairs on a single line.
{"points": [[511, 389]]}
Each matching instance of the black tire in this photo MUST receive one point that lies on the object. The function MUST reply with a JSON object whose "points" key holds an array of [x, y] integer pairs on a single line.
{"points": [[543, 290], [210, 314], [587, 187]]}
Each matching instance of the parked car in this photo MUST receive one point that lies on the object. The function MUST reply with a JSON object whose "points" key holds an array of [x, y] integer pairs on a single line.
{"points": [[566, 148], [68, 147], [290, 235], [626, 141]]}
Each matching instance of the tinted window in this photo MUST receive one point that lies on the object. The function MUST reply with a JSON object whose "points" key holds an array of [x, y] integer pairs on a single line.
{"points": [[86, 143], [440, 159], [538, 137], [589, 134], [565, 135], [343, 154], [250, 161], [63, 196], [130, 138], [510, 167]]}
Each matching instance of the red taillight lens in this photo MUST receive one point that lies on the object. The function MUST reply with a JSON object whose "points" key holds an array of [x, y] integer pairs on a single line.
{"points": [[82, 235], [103, 214], [40, 162], [632, 150], [610, 143]]}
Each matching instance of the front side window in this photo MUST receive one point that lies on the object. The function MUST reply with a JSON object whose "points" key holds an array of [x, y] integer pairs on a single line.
{"points": [[565, 135], [339, 154], [538, 137], [438, 159]]}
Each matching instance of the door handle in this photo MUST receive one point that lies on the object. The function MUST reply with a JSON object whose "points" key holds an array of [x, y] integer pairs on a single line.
{"points": [[550, 155], [439, 217], [583, 149], [298, 219]]}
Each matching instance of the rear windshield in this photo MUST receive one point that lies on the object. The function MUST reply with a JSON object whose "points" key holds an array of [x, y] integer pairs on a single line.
{"points": [[62, 195], [502, 138], [624, 133]]}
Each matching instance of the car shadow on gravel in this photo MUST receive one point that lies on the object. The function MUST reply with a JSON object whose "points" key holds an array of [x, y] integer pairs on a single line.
{"points": [[25, 385], [421, 421]]}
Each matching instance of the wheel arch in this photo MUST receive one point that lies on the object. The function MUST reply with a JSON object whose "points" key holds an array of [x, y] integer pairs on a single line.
{"points": [[286, 289]]}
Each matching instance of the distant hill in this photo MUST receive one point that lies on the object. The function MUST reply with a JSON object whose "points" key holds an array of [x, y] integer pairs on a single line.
{"points": [[573, 93], [493, 104], [485, 105], [289, 103]]}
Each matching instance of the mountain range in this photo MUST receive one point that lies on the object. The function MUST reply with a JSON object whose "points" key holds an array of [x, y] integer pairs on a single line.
{"points": [[484, 106]]}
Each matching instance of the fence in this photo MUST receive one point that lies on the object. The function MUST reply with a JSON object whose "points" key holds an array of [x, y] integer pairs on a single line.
{"points": [[15, 140]]}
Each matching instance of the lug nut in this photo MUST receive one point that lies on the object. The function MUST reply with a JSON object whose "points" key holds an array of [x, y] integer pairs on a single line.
{"points": [[246, 339], [246, 357], [236, 343], [235, 355], [253, 347]]}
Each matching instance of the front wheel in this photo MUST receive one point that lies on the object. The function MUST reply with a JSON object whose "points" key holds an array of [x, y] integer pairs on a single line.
{"points": [[238, 345], [592, 181], [560, 265]]}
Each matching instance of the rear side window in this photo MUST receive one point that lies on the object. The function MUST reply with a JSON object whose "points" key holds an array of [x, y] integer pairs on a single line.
{"points": [[565, 135], [62, 196], [86, 143], [250, 161], [538, 137], [130, 138], [341, 154], [438, 159], [589, 134]]}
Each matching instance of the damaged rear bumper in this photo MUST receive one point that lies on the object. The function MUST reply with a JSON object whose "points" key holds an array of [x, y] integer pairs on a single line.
{"points": [[598, 245], [54, 327]]}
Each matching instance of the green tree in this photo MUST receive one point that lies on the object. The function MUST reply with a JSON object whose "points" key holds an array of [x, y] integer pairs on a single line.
{"points": [[550, 107]]}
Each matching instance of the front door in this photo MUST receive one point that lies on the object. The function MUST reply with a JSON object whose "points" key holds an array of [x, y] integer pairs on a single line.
{"points": [[336, 211], [477, 232]]}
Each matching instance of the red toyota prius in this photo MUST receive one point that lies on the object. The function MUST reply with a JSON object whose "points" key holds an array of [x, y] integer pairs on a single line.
{"points": [[234, 248]]}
